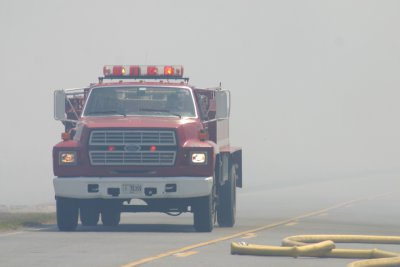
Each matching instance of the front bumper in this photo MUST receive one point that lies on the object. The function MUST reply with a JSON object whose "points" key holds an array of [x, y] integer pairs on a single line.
{"points": [[132, 187]]}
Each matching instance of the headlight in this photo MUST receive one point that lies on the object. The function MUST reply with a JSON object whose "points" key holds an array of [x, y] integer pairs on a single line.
{"points": [[67, 158], [199, 157]]}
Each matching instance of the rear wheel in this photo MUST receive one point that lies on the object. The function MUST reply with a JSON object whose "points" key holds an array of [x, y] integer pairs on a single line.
{"points": [[67, 214], [226, 211], [89, 212], [204, 214], [111, 214]]}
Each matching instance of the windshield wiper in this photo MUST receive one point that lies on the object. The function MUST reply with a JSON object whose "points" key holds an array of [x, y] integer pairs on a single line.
{"points": [[161, 110], [107, 112]]}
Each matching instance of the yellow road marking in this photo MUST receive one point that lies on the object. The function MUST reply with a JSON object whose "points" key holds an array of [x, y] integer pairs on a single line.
{"points": [[185, 254], [249, 235], [258, 229], [291, 223]]}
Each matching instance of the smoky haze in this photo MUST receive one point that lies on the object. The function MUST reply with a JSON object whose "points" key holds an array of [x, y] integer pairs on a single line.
{"points": [[315, 84]]}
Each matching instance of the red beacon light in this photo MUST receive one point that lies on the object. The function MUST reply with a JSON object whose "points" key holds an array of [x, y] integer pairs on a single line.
{"points": [[134, 70], [152, 71], [143, 72], [118, 70], [168, 70]]}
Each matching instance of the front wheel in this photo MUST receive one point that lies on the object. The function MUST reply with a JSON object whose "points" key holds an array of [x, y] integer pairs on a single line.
{"points": [[226, 210], [204, 214], [89, 213], [111, 214], [67, 214]]}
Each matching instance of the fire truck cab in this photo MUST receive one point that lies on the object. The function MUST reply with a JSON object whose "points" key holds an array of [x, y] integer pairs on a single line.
{"points": [[142, 132]]}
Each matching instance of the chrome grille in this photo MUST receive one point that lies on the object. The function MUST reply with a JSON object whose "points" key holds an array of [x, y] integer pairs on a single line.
{"points": [[162, 138], [132, 137], [110, 158]]}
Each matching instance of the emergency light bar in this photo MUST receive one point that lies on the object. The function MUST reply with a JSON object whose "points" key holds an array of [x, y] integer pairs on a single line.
{"points": [[144, 72]]}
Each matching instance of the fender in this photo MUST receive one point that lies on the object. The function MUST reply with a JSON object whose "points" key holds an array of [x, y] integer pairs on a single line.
{"points": [[228, 156]]}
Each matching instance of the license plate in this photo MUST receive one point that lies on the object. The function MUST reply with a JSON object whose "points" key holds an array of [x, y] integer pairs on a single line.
{"points": [[131, 188]]}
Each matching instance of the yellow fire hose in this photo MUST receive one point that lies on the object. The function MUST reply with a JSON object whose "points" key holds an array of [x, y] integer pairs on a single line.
{"points": [[324, 246]]}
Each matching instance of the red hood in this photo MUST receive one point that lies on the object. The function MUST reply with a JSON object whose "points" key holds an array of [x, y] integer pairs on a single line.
{"points": [[136, 121]]}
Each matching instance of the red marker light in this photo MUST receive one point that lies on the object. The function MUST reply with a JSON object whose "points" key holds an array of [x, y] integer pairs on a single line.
{"points": [[153, 148], [203, 135], [65, 136], [111, 148]]}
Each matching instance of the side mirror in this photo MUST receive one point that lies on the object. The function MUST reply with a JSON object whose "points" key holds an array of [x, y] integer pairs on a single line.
{"points": [[223, 104], [59, 105]]}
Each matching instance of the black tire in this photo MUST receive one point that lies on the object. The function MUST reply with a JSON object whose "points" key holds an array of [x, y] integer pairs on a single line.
{"points": [[89, 212], [226, 210], [204, 214], [111, 214], [67, 214]]}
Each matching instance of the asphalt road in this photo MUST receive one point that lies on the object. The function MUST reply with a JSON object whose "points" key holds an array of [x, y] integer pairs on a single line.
{"points": [[360, 204]]}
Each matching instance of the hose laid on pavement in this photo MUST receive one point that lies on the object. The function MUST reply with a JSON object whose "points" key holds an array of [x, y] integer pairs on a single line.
{"points": [[324, 246]]}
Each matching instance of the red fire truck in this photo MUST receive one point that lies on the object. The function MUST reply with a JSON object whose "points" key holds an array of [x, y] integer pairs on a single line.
{"points": [[143, 133]]}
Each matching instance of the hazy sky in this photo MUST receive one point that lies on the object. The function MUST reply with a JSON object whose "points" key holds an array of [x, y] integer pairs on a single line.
{"points": [[315, 84]]}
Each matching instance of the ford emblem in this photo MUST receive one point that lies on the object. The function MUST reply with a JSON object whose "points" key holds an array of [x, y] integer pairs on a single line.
{"points": [[132, 148]]}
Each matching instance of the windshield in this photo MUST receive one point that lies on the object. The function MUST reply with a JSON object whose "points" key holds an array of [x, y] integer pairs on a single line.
{"points": [[144, 101]]}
